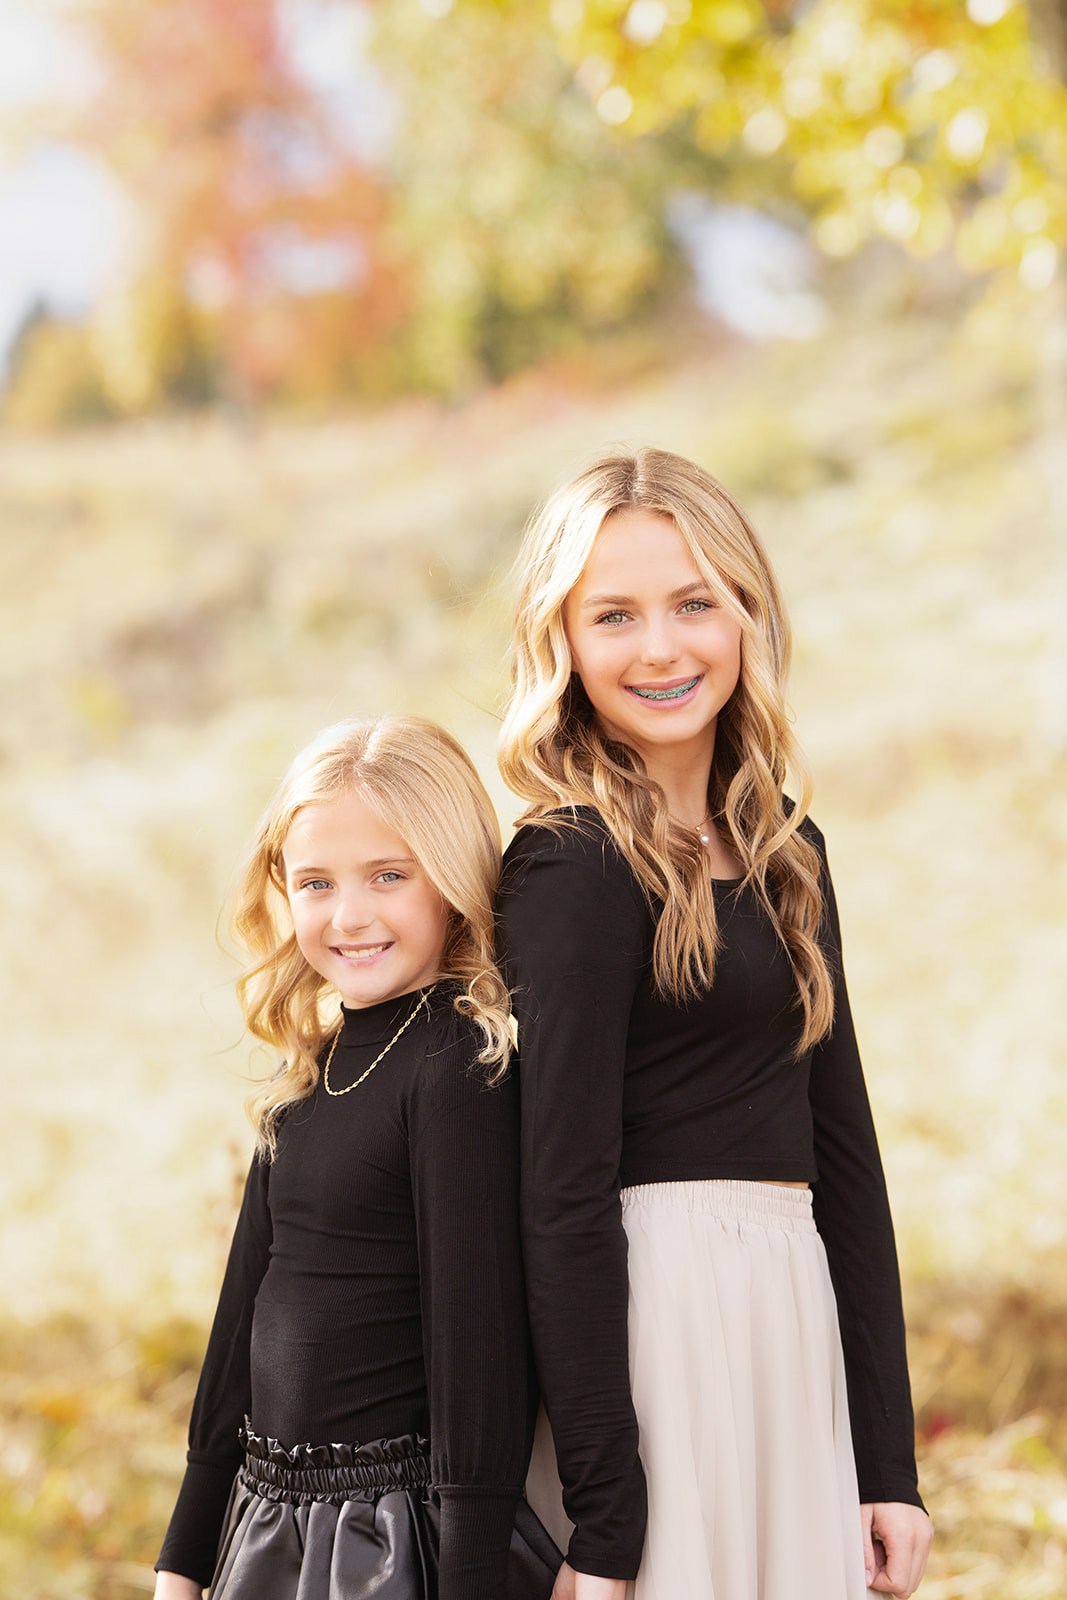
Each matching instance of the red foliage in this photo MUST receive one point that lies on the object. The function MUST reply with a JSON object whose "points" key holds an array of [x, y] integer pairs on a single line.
{"points": [[223, 149]]}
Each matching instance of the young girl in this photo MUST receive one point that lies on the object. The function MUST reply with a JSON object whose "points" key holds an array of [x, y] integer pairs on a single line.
{"points": [[374, 1290], [697, 1143]]}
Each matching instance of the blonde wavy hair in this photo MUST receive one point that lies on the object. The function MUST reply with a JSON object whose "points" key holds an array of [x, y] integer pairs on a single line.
{"points": [[421, 783], [555, 755]]}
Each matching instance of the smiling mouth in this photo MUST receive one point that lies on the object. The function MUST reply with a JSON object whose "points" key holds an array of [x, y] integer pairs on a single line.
{"points": [[365, 952], [676, 693]]}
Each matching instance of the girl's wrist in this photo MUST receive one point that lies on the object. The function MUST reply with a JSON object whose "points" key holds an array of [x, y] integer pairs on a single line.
{"points": [[173, 1586], [589, 1588]]}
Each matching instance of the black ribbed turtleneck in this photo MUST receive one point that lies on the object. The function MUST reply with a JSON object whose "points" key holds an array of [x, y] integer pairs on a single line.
{"points": [[374, 1289]]}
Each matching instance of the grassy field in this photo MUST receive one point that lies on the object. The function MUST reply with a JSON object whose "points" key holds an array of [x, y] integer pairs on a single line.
{"points": [[186, 601]]}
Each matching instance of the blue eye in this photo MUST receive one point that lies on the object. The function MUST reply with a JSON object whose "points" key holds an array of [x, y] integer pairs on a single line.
{"points": [[315, 883], [390, 876]]}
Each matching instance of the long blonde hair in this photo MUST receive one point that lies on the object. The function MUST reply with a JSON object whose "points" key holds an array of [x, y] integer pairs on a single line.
{"points": [[421, 783], [555, 755]]}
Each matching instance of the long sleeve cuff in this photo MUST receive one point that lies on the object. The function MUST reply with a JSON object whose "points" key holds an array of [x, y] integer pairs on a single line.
{"points": [[476, 1529], [192, 1542], [890, 1487], [583, 1558]]}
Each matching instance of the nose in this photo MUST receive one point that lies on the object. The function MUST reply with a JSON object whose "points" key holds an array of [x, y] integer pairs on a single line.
{"points": [[659, 645], [352, 914]]}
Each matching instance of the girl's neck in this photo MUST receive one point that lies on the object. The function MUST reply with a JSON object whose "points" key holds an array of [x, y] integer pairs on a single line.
{"points": [[683, 775]]}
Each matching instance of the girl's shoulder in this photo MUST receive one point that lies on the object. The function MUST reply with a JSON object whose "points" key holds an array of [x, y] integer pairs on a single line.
{"points": [[449, 1033], [449, 1065], [568, 896], [444, 1026], [813, 834], [576, 834], [807, 828]]}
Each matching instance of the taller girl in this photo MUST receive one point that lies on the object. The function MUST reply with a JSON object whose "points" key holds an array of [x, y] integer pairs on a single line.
{"points": [[689, 1068]]}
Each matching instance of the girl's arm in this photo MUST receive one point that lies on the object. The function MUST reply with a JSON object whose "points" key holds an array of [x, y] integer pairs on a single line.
{"points": [[223, 1397], [852, 1212], [464, 1170], [574, 933]]}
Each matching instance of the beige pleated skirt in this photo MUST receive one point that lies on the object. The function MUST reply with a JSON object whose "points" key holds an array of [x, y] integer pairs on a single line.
{"points": [[739, 1387]]}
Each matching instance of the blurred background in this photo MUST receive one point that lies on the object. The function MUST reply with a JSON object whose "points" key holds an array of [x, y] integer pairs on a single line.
{"points": [[304, 304]]}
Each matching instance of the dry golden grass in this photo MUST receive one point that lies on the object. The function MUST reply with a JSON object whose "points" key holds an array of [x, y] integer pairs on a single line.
{"points": [[93, 1436], [186, 602]]}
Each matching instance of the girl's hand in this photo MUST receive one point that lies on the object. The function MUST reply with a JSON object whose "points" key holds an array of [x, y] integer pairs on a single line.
{"points": [[172, 1586], [571, 1585], [896, 1543]]}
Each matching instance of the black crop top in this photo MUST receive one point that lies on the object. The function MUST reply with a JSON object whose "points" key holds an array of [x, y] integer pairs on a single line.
{"points": [[619, 1087], [374, 1289]]}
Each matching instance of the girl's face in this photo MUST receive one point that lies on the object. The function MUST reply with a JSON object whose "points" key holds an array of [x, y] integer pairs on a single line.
{"points": [[657, 654], [365, 914]]}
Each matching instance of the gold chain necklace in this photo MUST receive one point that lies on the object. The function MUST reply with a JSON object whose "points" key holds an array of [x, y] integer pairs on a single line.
{"points": [[337, 1093]]}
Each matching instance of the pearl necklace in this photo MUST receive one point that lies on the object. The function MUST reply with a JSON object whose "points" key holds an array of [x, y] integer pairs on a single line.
{"points": [[337, 1093], [705, 838]]}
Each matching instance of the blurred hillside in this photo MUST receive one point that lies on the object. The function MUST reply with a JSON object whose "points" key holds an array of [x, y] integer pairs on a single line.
{"points": [[186, 601]]}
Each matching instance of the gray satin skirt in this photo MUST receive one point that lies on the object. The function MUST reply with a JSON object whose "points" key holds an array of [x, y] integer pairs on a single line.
{"points": [[347, 1522]]}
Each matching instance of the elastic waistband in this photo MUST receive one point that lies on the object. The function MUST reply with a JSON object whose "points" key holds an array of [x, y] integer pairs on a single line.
{"points": [[729, 1199], [333, 1472]]}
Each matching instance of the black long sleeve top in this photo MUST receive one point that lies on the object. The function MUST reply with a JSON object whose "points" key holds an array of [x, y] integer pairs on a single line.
{"points": [[621, 1086], [374, 1289]]}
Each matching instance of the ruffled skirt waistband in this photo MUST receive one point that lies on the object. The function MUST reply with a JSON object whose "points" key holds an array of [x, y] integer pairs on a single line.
{"points": [[333, 1473]]}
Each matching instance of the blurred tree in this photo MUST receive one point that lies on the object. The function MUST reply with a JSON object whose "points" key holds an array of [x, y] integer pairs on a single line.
{"points": [[528, 224], [55, 376], [1050, 28], [914, 120], [520, 204], [248, 212]]}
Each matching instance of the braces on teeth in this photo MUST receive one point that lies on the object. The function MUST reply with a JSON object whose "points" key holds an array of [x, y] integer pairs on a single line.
{"points": [[664, 694]]}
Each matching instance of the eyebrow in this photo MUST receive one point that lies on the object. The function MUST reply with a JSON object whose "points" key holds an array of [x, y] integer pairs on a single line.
{"points": [[381, 861], [626, 600]]}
